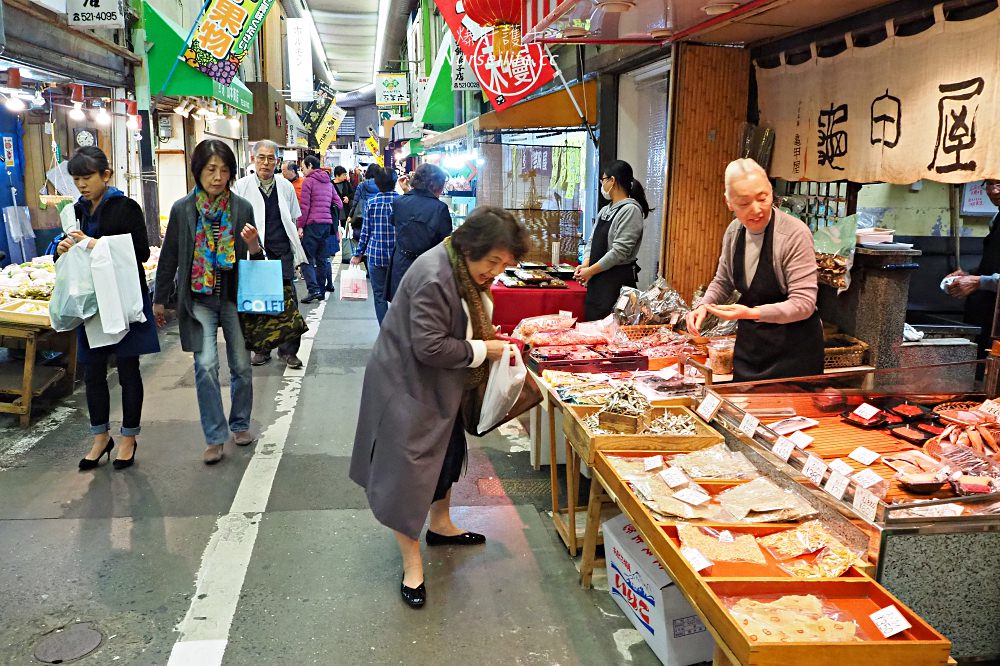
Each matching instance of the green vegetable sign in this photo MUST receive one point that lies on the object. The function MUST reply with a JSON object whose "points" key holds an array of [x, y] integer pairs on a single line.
{"points": [[223, 35]]}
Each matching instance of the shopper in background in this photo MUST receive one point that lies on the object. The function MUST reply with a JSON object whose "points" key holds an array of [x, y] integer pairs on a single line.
{"points": [[209, 231], [342, 183], [768, 256], [377, 239], [318, 200], [421, 221], [362, 193], [290, 172], [275, 213], [609, 261], [103, 210], [432, 349]]}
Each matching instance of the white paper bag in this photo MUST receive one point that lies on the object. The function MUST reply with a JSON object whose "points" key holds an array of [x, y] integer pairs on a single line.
{"points": [[353, 284], [502, 388], [116, 283], [73, 300]]}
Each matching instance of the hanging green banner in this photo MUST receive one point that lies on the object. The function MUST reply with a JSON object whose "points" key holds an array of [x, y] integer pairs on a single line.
{"points": [[223, 36]]}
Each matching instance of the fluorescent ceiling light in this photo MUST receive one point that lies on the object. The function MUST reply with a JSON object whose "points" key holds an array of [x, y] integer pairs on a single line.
{"points": [[383, 19]]}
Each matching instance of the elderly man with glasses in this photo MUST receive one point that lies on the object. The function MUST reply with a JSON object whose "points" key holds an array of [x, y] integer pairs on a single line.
{"points": [[276, 211]]}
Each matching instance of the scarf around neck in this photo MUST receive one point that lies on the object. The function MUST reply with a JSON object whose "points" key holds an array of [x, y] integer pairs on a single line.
{"points": [[211, 254], [472, 293]]}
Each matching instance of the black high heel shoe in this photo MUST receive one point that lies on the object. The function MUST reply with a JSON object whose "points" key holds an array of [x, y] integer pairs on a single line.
{"points": [[120, 463], [415, 597], [87, 463]]}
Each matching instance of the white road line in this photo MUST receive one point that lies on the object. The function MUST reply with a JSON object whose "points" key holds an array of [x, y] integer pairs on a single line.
{"points": [[21, 445], [204, 631]]}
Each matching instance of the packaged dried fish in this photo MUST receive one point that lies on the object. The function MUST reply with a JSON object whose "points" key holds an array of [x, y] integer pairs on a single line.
{"points": [[760, 501], [830, 562], [721, 546], [717, 462], [806, 538]]}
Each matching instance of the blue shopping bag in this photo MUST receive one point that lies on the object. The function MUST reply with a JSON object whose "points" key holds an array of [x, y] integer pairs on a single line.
{"points": [[261, 290]]}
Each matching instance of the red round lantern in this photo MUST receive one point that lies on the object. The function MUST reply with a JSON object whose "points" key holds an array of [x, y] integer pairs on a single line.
{"points": [[504, 16]]}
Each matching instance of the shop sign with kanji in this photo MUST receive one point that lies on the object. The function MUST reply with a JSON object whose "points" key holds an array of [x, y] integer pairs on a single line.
{"points": [[505, 80], [903, 110], [223, 36], [391, 89], [462, 78], [95, 13]]}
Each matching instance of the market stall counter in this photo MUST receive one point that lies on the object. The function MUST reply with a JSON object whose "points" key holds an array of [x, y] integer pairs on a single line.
{"points": [[512, 304]]}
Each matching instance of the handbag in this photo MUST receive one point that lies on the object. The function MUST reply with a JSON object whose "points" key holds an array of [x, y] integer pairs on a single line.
{"points": [[261, 332], [472, 405], [261, 289]]}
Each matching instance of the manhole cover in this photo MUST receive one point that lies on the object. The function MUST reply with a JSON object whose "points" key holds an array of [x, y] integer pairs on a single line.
{"points": [[68, 644]]}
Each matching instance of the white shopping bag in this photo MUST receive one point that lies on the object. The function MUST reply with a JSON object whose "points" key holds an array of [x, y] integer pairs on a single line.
{"points": [[502, 388], [119, 294], [73, 299], [353, 284]]}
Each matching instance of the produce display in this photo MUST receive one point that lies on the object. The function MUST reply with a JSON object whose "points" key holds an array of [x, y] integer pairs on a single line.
{"points": [[32, 280], [792, 619]]}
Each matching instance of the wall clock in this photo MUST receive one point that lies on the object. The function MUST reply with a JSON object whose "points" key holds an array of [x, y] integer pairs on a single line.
{"points": [[85, 136]]}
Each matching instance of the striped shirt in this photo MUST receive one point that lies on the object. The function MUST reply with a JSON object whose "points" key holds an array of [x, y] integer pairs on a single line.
{"points": [[378, 236]]}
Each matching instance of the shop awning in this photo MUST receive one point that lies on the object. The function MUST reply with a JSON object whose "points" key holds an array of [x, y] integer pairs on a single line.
{"points": [[166, 41], [547, 111], [411, 148], [439, 106]]}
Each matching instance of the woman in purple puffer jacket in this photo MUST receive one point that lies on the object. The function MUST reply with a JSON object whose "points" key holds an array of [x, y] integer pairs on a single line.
{"points": [[315, 224]]}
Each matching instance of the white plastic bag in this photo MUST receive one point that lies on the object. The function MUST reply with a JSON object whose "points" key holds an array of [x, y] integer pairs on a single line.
{"points": [[116, 284], [502, 388], [73, 298], [353, 284]]}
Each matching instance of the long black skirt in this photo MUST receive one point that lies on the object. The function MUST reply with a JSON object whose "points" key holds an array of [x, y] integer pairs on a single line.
{"points": [[454, 460]]}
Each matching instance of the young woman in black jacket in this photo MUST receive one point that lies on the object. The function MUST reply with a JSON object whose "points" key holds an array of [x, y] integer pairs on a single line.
{"points": [[105, 211]]}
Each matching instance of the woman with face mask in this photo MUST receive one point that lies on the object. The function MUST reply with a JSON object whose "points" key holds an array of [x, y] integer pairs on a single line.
{"points": [[609, 262]]}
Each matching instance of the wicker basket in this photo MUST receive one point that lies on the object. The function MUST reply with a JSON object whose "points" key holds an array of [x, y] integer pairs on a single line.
{"points": [[641, 331], [844, 352], [546, 227]]}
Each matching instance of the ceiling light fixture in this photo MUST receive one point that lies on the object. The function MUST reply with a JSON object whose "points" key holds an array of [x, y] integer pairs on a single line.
{"points": [[719, 8], [101, 115], [38, 100], [614, 6], [132, 112], [661, 33], [184, 108], [15, 104]]}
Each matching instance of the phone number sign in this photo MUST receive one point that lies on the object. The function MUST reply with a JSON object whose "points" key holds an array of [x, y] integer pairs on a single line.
{"points": [[95, 14]]}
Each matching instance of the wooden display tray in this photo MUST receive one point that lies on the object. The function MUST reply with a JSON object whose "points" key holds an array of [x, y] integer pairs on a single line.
{"points": [[656, 363], [7, 313], [855, 593], [587, 444]]}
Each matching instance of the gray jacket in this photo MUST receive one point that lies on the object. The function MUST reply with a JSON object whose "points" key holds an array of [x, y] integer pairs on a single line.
{"points": [[173, 272], [411, 395], [624, 236], [794, 259]]}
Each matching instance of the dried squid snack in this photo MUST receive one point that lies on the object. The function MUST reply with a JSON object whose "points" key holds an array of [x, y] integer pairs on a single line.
{"points": [[716, 462], [806, 538], [761, 501], [830, 562], [721, 546], [792, 619]]}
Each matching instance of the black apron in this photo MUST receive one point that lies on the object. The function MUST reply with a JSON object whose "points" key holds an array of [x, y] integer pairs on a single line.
{"points": [[603, 288], [980, 304], [771, 351]]}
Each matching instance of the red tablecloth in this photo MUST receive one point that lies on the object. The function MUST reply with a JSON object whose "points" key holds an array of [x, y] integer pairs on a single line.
{"points": [[512, 304]]}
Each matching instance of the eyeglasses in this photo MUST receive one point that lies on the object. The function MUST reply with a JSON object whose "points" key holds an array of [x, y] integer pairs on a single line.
{"points": [[604, 178], [266, 159]]}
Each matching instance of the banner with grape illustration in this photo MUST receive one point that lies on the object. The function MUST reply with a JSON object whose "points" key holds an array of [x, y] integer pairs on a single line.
{"points": [[223, 36]]}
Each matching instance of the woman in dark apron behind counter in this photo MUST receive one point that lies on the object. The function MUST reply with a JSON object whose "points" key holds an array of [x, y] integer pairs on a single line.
{"points": [[768, 257], [609, 260]]}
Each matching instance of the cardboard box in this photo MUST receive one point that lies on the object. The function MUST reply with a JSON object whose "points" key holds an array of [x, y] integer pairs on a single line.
{"points": [[651, 600]]}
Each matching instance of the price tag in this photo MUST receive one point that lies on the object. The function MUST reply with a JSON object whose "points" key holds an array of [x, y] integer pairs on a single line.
{"points": [[692, 496], [622, 302], [748, 426], [890, 621], [836, 485], [566, 314], [725, 536], [991, 407], [863, 455], [866, 478], [653, 462], [866, 411], [865, 503], [695, 558], [643, 490], [673, 477], [800, 439], [709, 406], [814, 470], [841, 467], [783, 448]]}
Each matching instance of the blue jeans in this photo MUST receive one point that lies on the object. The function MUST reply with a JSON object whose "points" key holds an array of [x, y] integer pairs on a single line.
{"points": [[379, 274], [213, 314], [314, 237]]}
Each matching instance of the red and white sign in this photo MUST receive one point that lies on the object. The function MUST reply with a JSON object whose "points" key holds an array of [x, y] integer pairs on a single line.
{"points": [[534, 12], [505, 81]]}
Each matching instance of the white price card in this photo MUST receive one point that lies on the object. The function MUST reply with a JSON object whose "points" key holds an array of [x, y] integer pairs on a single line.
{"points": [[709, 406], [865, 503], [725, 536], [748, 426], [866, 411], [653, 462], [673, 477], [783, 448], [800, 439], [814, 470], [565, 314], [991, 407], [836, 484], [863, 455], [695, 558], [890, 621], [866, 478], [692, 496], [839, 466]]}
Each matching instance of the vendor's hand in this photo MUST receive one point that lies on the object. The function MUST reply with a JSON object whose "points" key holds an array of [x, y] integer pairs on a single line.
{"points": [[580, 269], [355, 261], [732, 312], [584, 275], [963, 286], [160, 314], [252, 238], [696, 318], [494, 349]]}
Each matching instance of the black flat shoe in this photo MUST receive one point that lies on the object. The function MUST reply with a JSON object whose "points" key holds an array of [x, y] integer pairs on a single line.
{"points": [[463, 539], [121, 463], [87, 463], [415, 597]]}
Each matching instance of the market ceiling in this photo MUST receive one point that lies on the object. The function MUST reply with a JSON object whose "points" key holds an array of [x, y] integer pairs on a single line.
{"points": [[348, 30], [658, 21]]}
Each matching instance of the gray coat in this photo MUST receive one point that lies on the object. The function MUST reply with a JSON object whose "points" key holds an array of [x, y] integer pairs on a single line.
{"points": [[412, 393], [173, 271]]}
